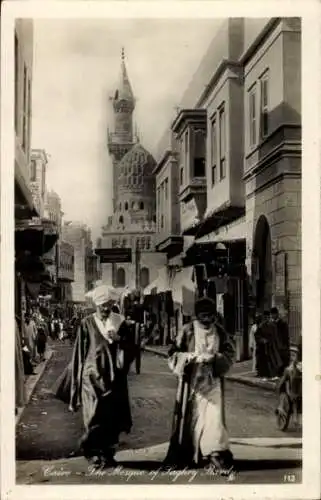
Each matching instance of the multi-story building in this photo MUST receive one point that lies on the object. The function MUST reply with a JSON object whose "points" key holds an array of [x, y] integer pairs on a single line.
{"points": [[132, 224], [65, 271], [78, 235], [53, 208], [53, 212], [23, 52], [238, 132], [272, 163], [38, 166]]}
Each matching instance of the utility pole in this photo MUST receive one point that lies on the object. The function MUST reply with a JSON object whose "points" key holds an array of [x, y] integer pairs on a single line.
{"points": [[137, 265]]}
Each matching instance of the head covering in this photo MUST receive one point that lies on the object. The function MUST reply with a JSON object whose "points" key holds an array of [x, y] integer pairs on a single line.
{"points": [[205, 304], [102, 294]]}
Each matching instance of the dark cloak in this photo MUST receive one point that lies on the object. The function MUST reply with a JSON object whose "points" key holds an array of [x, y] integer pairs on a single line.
{"points": [[104, 399], [268, 358]]}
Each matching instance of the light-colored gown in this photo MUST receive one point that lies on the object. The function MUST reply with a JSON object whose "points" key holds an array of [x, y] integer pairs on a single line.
{"points": [[199, 423]]}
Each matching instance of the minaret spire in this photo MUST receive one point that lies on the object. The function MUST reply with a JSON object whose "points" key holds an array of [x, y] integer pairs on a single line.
{"points": [[124, 91]]}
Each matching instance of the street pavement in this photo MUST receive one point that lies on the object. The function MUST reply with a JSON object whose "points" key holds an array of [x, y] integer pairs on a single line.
{"points": [[48, 434]]}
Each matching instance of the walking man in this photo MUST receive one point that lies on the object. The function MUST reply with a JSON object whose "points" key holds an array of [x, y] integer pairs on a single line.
{"points": [[102, 354], [201, 356]]}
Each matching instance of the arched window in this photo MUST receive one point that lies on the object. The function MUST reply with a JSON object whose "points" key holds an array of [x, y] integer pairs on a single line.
{"points": [[144, 277], [141, 206], [121, 219], [126, 205], [121, 277]]}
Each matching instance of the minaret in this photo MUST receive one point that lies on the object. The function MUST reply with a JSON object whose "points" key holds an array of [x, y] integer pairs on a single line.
{"points": [[121, 140]]}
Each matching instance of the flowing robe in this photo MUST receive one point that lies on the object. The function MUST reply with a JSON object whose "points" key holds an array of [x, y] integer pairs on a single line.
{"points": [[99, 384], [199, 428], [268, 357]]}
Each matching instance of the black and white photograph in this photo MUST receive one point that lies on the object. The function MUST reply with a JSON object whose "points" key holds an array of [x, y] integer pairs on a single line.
{"points": [[157, 287]]}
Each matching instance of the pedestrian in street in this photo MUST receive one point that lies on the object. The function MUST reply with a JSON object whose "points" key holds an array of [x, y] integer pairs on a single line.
{"points": [[41, 341], [252, 342], [268, 356], [283, 338], [202, 354], [31, 336], [102, 354]]}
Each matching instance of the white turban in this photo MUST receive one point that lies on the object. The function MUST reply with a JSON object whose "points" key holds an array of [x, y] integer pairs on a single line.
{"points": [[104, 293]]}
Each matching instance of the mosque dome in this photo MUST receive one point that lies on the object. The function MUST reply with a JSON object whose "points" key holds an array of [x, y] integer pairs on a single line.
{"points": [[135, 171]]}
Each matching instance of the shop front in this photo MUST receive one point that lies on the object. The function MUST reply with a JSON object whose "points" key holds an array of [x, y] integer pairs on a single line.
{"points": [[220, 273]]}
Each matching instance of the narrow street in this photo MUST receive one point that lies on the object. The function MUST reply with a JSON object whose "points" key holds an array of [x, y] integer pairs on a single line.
{"points": [[47, 431]]}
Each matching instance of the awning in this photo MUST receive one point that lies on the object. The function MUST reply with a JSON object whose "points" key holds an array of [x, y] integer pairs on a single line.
{"points": [[217, 218], [183, 278], [236, 230], [159, 285], [35, 235]]}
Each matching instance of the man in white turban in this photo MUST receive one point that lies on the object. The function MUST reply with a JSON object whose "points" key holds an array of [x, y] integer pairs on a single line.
{"points": [[101, 359]]}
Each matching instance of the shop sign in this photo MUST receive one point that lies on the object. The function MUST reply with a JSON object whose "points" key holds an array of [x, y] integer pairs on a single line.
{"points": [[114, 255], [189, 214]]}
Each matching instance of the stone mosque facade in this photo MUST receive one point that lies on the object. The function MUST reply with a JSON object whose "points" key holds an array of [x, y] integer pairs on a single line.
{"points": [[133, 222]]}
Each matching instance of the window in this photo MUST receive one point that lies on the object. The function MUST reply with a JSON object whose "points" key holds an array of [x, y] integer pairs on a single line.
{"points": [[199, 167], [126, 205], [181, 176], [133, 205], [16, 83], [166, 189], [141, 206], [121, 277], [120, 207], [162, 221], [33, 171], [143, 243], [222, 143], [213, 149], [24, 109], [199, 154], [148, 243], [252, 116], [186, 148], [121, 219], [124, 243], [114, 243], [264, 118], [29, 112]]}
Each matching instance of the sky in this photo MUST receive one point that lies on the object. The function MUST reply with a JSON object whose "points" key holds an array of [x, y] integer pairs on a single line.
{"points": [[76, 70]]}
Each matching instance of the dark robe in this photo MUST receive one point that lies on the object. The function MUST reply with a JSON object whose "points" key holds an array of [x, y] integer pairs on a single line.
{"points": [[181, 449], [284, 342], [62, 386], [268, 359], [100, 386]]}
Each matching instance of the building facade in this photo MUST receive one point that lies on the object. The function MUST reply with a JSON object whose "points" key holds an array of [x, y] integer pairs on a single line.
{"points": [[238, 135], [78, 235], [23, 52], [133, 223], [38, 166], [65, 272]]}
